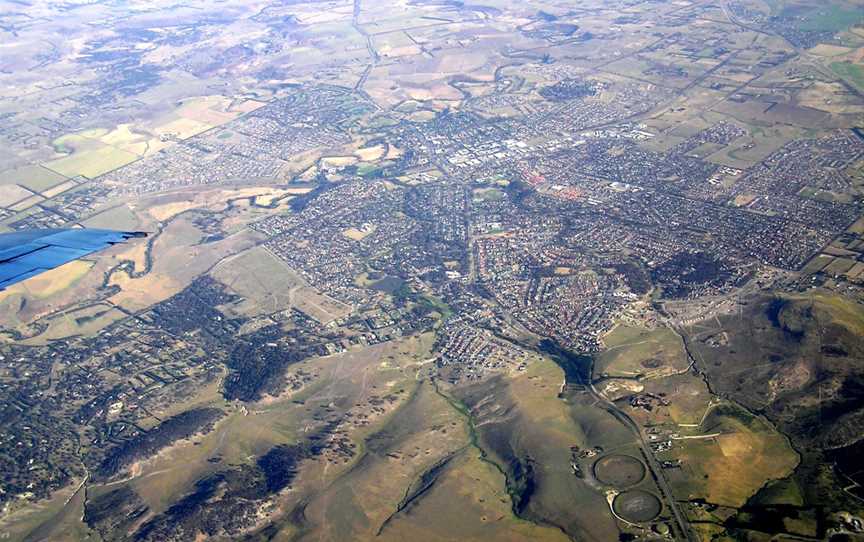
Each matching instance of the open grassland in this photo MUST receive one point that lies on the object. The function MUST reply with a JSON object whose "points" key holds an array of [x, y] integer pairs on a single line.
{"points": [[181, 128], [332, 162], [785, 491], [488, 194], [34, 178], [528, 431], [465, 483], [27, 203], [471, 494], [168, 210], [318, 306], [215, 110], [86, 321], [393, 445], [741, 454], [91, 163], [120, 217], [167, 206], [59, 189], [816, 264], [265, 283], [404, 455], [340, 383], [368, 154], [20, 308], [830, 18], [834, 308], [632, 351], [399, 461], [79, 141], [50, 282], [851, 72], [13, 193], [124, 137], [832, 97], [177, 260], [356, 234], [779, 358], [237, 439], [58, 518]]}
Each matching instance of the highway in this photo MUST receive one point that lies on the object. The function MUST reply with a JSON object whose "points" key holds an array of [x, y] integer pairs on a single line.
{"points": [[683, 528]]}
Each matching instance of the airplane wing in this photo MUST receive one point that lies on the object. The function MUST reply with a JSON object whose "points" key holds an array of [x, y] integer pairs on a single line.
{"points": [[27, 253]]}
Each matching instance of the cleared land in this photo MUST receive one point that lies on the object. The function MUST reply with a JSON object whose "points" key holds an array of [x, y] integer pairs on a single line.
{"points": [[641, 352]]}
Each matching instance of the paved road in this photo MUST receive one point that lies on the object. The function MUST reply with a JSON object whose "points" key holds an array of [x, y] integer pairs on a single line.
{"points": [[668, 497]]}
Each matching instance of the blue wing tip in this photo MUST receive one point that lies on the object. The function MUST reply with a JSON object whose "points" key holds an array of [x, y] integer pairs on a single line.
{"points": [[27, 254]]}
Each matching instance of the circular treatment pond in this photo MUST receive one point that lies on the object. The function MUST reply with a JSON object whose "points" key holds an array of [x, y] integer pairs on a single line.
{"points": [[637, 506], [619, 470]]}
